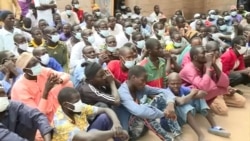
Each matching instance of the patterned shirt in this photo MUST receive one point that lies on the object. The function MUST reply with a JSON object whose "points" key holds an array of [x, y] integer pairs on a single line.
{"points": [[66, 129], [156, 76]]}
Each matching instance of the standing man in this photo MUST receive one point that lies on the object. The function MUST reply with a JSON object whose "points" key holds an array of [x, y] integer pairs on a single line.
{"points": [[69, 16]]}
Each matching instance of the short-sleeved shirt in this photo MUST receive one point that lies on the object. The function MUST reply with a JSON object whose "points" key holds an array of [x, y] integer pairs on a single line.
{"points": [[156, 76], [115, 68], [183, 91], [90, 95], [65, 129]]}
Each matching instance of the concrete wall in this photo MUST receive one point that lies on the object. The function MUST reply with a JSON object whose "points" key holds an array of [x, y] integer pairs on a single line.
{"points": [[168, 7]]}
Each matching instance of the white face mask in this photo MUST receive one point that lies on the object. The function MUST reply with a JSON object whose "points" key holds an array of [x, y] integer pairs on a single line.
{"points": [[123, 7], [111, 49], [129, 30], [242, 50], [76, 6], [129, 64], [78, 36], [45, 59], [69, 12], [92, 60], [78, 106], [161, 32], [141, 44], [104, 33], [129, 14], [23, 46], [36, 70], [91, 39], [177, 44], [233, 13], [98, 13], [4, 103], [55, 38]]}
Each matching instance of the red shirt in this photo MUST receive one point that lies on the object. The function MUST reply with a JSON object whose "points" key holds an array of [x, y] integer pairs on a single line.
{"points": [[228, 60], [114, 67], [80, 14]]}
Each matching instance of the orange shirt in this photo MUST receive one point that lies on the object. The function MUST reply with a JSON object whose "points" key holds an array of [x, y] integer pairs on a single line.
{"points": [[30, 92]]}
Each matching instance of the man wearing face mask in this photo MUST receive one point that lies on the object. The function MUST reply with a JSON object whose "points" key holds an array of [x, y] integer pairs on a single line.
{"points": [[119, 68], [101, 33], [88, 39], [21, 44], [139, 42], [233, 62], [42, 55], [39, 86], [126, 36], [70, 120], [75, 38], [145, 27], [96, 12], [69, 16], [111, 48], [77, 10], [234, 14], [56, 48], [89, 55], [19, 122], [179, 43], [159, 33], [212, 18]]}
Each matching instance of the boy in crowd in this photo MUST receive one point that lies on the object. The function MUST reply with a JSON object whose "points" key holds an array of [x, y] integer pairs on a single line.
{"points": [[37, 36]]}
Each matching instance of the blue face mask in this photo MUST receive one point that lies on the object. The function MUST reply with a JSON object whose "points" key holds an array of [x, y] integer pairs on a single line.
{"points": [[78, 36], [129, 30], [91, 39], [223, 27], [212, 17], [233, 13], [36, 70], [177, 44], [141, 44], [104, 33]]}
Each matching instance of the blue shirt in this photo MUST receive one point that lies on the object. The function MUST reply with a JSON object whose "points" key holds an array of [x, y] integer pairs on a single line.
{"points": [[53, 64], [146, 31], [78, 74], [183, 91], [7, 85], [129, 106], [20, 123]]}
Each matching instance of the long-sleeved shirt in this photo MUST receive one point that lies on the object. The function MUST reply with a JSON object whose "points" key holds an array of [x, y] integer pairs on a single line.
{"points": [[72, 19], [129, 106], [30, 92], [20, 123], [193, 77], [11, 5], [53, 64]]}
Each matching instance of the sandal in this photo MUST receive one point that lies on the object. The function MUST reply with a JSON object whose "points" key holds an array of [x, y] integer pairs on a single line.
{"points": [[219, 132]]}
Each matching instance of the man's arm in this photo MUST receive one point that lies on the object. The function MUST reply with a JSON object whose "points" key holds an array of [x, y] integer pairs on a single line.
{"points": [[7, 135], [18, 9], [31, 116], [94, 135], [143, 111]]}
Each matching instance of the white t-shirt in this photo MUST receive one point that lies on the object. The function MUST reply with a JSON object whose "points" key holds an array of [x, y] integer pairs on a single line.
{"points": [[44, 14]]}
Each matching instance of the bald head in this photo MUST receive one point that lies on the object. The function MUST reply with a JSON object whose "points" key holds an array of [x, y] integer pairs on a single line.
{"points": [[125, 50], [174, 76], [39, 51], [196, 41]]}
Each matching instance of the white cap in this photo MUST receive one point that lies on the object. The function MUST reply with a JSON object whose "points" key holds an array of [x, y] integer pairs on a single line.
{"points": [[197, 15], [211, 12]]}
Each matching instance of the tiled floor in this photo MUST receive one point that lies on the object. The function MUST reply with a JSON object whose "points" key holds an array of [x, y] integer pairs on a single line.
{"points": [[237, 122]]}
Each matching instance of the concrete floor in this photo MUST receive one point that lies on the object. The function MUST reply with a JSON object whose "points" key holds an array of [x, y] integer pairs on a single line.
{"points": [[237, 122]]}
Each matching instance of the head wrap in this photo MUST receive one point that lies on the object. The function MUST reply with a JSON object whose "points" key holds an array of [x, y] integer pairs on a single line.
{"points": [[95, 7]]}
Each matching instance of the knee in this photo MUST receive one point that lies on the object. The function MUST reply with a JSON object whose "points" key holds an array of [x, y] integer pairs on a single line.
{"points": [[103, 118], [240, 101], [219, 109]]}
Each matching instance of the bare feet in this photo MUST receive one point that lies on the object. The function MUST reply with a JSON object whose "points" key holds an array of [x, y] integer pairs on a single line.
{"points": [[123, 136]]}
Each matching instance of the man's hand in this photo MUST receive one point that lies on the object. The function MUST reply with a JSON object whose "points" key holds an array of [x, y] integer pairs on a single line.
{"points": [[117, 128], [109, 77], [231, 91], [194, 92], [103, 57], [51, 82], [11, 67], [170, 112], [209, 59]]}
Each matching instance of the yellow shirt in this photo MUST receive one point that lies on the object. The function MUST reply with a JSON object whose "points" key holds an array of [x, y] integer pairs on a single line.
{"points": [[34, 45], [11, 5], [65, 129]]}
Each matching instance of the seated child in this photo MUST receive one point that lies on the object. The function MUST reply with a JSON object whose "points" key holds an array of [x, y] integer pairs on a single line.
{"points": [[194, 103]]}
